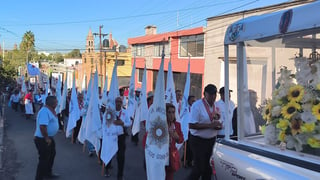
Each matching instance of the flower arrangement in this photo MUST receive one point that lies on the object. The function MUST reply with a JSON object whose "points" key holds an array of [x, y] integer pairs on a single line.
{"points": [[293, 114]]}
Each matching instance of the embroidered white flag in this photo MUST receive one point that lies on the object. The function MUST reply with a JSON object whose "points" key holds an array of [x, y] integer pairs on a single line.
{"points": [[33, 70], [157, 144], [109, 141], [74, 110]]}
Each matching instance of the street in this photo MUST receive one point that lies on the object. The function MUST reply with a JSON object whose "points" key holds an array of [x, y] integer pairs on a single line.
{"points": [[20, 155]]}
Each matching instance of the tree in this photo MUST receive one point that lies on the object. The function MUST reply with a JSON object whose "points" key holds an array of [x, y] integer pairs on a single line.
{"points": [[27, 44], [75, 53]]}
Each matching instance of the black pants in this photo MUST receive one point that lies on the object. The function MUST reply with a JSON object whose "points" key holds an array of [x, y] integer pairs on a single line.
{"points": [[46, 157], [15, 106], [201, 149], [76, 130], [120, 155], [60, 120], [22, 108], [135, 138], [189, 156]]}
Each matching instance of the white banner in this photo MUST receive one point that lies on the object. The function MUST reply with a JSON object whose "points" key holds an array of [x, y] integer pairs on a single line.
{"points": [[74, 110], [93, 120], [157, 144]]}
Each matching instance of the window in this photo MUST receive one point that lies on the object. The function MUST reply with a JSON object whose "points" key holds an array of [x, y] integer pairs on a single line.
{"points": [[121, 62], [140, 75], [158, 49], [138, 50], [192, 45]]}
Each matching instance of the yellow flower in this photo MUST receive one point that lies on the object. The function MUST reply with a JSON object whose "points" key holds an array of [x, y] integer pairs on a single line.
{"points": [[308, 127], [283, 124], [313, 142], [267, 112], [282, 136], [316, 111], [290, 109], [296, 93], [296, 126]]}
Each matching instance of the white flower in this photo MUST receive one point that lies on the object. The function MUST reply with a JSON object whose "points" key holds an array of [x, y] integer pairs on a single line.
{"points": [[308, 117], [276, 111], [270, 136], [293, 142]]}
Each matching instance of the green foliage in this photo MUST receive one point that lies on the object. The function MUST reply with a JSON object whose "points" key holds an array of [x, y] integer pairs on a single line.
{"points": [[7, 76], [28, 40], [75, 53]]}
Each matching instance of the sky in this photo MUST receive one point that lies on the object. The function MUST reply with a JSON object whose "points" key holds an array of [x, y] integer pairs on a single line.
{"points": [[63, 25]]}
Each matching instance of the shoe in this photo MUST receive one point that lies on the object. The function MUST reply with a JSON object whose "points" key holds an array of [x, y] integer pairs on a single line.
{"points": [[91, 154], [52, 176], [107, 173]]}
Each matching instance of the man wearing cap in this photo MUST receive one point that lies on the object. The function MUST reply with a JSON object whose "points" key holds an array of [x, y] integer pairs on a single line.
{"points": [[222, 107], [204, 126]]}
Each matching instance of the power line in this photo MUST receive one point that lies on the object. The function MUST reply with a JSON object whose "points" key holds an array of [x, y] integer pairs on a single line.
{"points": [[121, 17]]}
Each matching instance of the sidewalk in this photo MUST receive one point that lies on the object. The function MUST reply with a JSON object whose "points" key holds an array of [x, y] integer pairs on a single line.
{"points": [[2, 117]]}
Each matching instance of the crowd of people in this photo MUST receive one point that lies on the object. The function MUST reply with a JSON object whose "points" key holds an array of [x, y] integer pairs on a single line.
{"points": [[206, 123]]}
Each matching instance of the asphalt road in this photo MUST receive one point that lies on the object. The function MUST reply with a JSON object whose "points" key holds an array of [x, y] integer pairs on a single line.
{"points": [[20, 156]]}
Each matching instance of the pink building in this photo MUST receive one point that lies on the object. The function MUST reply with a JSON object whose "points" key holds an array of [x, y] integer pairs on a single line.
{"points": [[179, 45]]}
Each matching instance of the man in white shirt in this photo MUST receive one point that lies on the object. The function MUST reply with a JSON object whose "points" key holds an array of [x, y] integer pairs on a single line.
{"points": [[123, 122], [223, 111], [204, 126]]}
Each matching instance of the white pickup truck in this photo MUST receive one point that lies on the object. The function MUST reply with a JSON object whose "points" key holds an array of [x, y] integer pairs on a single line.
{"points": [[288, 145]]}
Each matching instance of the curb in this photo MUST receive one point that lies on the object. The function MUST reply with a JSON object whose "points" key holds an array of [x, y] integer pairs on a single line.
{"points": [[1, 136]]}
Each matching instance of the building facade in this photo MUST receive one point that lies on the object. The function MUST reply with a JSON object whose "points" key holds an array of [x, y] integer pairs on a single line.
{"points": [[103, 60], [179, 46]]}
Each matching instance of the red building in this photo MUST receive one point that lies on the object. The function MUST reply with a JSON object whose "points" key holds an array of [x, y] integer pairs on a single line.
{"points": [[179, 45]]}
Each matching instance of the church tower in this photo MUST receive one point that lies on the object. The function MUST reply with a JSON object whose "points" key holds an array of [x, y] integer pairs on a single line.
{"points": [[90, 42]]}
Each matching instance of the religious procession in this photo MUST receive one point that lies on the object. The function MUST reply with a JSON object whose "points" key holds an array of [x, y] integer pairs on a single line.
{"points": [[102, 128]]}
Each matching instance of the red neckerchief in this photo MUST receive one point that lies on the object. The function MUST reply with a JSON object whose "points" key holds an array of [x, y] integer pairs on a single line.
{"points": [[53, 111], [211, 115]]}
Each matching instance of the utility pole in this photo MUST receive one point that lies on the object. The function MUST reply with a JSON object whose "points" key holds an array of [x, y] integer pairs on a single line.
{"points": [[101, 35]]}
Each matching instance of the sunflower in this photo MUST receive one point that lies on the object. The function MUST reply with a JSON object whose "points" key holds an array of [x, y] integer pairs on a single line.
{"points": [[283, 124], [267, 112], [308, 127], [282, 136], [296, 126], [290, 109], [316, 111], [296, 93], [313, 142], [315, 102]]}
